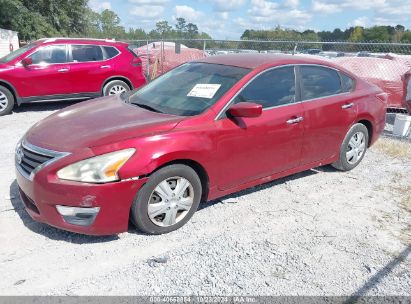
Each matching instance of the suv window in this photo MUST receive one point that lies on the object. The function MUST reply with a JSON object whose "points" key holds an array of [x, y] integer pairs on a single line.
{"points": [[50, 54], [347, 83], [84, 53], [110, 52], [319, 82], [273, 88]]}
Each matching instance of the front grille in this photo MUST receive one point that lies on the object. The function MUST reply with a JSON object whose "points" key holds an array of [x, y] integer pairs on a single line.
{"points": [[30, 160]]}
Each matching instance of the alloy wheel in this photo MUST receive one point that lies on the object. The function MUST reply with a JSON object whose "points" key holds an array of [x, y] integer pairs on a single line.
{"points": [[356, 148], [170, 201], [4, 101], [117, 89]]}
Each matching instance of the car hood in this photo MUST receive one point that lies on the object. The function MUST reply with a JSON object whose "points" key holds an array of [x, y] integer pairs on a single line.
{"points": [[5, 66], [97, 122]]}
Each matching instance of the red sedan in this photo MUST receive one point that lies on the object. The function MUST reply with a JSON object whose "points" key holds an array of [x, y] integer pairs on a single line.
{"points": [[203, 130]]}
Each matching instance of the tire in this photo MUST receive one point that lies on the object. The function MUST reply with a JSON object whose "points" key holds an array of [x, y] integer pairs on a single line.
{"points": [[6, 101], [115, 87], [152, 198], [353, 148]]}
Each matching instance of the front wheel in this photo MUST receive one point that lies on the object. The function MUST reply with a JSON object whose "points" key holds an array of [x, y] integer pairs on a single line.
{"points": [[353, 148], [115, 87], [6, 101], [168, 200]]}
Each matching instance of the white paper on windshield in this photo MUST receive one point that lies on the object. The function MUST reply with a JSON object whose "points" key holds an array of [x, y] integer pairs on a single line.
{"points": [[204, 90]]}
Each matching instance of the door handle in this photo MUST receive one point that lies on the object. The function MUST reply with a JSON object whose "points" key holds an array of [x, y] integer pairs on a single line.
{"points": [[347, 106], [295, 120], [63, 70], [105, 67]]}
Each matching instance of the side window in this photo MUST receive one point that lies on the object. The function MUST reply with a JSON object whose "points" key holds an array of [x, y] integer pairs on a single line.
{"points": [[110, 52], [50, 54], [319, 82], [84, 53], [271, 89], [347, 83]]}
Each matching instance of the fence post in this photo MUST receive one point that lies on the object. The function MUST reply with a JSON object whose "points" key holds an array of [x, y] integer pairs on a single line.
{"points": [[295, 48], [204, 46], [148, 62]]}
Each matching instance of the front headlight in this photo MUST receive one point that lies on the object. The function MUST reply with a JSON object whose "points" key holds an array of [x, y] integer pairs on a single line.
{"points": [[98, 169]]}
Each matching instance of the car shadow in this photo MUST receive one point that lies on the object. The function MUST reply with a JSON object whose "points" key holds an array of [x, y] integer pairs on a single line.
{"points": [[273, 183], [44, 106], [49, 231], [374, 280]]}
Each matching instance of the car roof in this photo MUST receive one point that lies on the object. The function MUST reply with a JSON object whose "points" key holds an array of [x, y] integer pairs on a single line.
{"points": [[253, 61], [79, 40]]}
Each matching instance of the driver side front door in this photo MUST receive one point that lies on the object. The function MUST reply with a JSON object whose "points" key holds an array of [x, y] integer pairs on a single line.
{"points": [[253, 148]]}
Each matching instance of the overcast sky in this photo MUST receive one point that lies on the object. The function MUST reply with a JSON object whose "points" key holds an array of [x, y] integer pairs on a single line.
{"points": [[229, 18]]}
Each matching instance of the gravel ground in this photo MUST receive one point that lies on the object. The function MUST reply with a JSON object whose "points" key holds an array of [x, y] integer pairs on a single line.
{"points": [[320, 232]]}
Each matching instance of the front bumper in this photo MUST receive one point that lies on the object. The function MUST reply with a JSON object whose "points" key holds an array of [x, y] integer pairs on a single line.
{"points": [[41, 196]]}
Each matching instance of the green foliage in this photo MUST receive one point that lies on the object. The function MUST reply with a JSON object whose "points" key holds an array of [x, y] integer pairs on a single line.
{"points": [[43, 18], [35, 19], [356, 34]]}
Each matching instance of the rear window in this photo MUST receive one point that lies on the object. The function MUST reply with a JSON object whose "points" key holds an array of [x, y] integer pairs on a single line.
{"points": [[347, 83], [110, 52], [131, 48], [319, 82], [84, 53]]}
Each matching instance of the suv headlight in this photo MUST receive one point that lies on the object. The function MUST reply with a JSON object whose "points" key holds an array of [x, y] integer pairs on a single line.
{"points": [[98, 169]]}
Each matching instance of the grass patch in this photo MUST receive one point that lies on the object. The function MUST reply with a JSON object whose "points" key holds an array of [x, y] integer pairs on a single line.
{"points": [[394, 148]]}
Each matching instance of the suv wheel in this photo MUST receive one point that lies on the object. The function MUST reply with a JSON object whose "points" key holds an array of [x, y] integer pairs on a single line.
{"points": [[167, 201], [353, 148], [115, 87], [6, 101]]}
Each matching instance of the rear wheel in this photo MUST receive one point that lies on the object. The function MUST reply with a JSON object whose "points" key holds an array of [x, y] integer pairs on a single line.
{"points": [[115, 87], [6, 101], [167, 201], [353, 148]]}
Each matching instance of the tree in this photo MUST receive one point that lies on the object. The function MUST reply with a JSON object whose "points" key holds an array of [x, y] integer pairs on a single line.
{"points": [[399, 32], [163, 28], [181, 27], [357, 34], [192, 31], [110, 24], [43, 18]]}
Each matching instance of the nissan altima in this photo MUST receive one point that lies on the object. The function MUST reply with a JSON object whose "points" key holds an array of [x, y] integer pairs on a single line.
{"points": [[201, 131]]}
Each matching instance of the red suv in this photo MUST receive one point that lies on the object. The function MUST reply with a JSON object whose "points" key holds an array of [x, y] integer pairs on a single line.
{"points": [[201, 131], [57, 69]]}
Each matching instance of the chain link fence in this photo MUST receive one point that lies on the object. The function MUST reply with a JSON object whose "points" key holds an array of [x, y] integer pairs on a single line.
{"points": [[366, 59], [213, 47]]}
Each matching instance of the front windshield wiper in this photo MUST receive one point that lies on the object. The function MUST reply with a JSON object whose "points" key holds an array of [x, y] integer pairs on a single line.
{"points": [[147, 107]]}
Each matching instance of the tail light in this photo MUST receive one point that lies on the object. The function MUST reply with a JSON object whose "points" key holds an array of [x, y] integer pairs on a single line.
{"points": [[136, 61], [407, 91], [383, 97]]}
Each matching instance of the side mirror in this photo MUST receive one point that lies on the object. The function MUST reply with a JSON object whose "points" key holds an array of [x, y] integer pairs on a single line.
{"points": [[27, 61], [245, 109]]}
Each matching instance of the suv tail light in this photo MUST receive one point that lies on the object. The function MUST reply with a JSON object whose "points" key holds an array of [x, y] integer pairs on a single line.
{"points": [[383, 97], [136, 61], [407, 91]]}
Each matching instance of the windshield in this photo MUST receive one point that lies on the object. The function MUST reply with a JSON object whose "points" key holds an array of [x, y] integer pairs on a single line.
{"points": [[189, 89], [17, 53]]}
